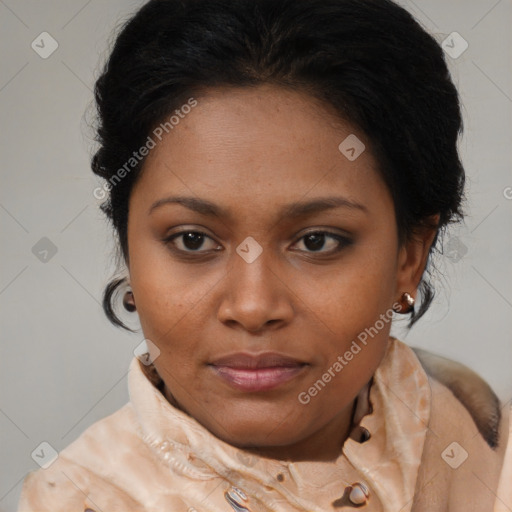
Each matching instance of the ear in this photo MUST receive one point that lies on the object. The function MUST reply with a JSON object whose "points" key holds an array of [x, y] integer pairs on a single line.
{"points": [[412, 257]]}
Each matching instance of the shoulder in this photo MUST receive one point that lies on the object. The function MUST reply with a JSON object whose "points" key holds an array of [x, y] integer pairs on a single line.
{"points": [[465, 444], [75, 480], [67, 486], [470, 390]]}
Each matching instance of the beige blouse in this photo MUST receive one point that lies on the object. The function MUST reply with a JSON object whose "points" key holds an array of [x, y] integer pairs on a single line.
{"points": [[150, 456]]}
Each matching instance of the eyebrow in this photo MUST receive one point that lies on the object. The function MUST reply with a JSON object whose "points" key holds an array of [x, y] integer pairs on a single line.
{"points": [[297, 209]]}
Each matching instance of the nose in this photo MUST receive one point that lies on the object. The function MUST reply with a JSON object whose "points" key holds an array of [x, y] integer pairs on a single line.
{"points": [[255, 296]]}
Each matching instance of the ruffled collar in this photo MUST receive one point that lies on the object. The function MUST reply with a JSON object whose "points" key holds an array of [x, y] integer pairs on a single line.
{"points": [[394, 408]]}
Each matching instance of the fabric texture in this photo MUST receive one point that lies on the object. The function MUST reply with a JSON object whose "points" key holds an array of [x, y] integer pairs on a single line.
{"points": [[150, 456]]}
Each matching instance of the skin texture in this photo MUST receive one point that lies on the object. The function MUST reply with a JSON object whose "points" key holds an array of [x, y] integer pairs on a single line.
{"points": [[251, 152]]}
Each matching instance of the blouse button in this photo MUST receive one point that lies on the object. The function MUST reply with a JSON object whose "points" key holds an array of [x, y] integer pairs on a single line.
{"points": [[359, 494], [237, 499], [360, 434], [365, 435]]}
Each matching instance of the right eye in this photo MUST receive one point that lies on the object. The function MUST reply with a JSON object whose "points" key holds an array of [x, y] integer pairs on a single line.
{"points": [[190, 241]]}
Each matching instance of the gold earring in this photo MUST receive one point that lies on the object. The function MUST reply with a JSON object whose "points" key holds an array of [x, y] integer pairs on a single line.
{"points": [[409, 301]]}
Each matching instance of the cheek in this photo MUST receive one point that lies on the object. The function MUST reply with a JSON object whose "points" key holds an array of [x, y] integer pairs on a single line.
{"points": [[351, 307], [166, 303], [350, 296], [355, 325], [165, 291]]}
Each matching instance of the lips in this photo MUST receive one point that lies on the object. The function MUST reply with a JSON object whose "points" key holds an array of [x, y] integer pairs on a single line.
{"points": [[251, 361], [261, 372]]}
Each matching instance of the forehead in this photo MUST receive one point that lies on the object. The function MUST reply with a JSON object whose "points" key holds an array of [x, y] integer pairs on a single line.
{"points": [[263, 145]]}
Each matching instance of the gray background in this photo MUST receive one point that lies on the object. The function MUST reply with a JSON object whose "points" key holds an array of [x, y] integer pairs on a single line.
{"points": [[63, 366]]}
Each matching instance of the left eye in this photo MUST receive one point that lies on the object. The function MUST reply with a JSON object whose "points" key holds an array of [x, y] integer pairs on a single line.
{"points": [[317, 240]]}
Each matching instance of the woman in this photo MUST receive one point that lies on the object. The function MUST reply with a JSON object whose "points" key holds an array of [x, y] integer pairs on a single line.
{"points": [[278, 174]]}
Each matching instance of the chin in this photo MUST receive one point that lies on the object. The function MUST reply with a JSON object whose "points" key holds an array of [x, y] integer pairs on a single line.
{"points": [[259, 432], [258, 439]]}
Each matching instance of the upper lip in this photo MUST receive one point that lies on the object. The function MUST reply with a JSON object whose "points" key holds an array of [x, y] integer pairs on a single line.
{"points": [[251, 361]]}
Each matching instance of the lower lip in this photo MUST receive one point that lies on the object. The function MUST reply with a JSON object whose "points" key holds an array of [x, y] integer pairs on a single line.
{"points": [[258, 379]]}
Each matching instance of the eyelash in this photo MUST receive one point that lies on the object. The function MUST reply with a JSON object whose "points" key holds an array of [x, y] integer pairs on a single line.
{"points": [[343, 242]]}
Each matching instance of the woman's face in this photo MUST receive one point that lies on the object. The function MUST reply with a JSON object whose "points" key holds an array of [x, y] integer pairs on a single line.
{"points": [[281, 243]]}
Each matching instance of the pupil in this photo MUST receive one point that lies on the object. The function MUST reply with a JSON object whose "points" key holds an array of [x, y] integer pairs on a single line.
{"points": [[193, 240], [318, 241]]}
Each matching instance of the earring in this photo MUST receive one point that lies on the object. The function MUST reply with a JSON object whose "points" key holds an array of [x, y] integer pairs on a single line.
{"points": [[409, 300], [129, 302]]}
